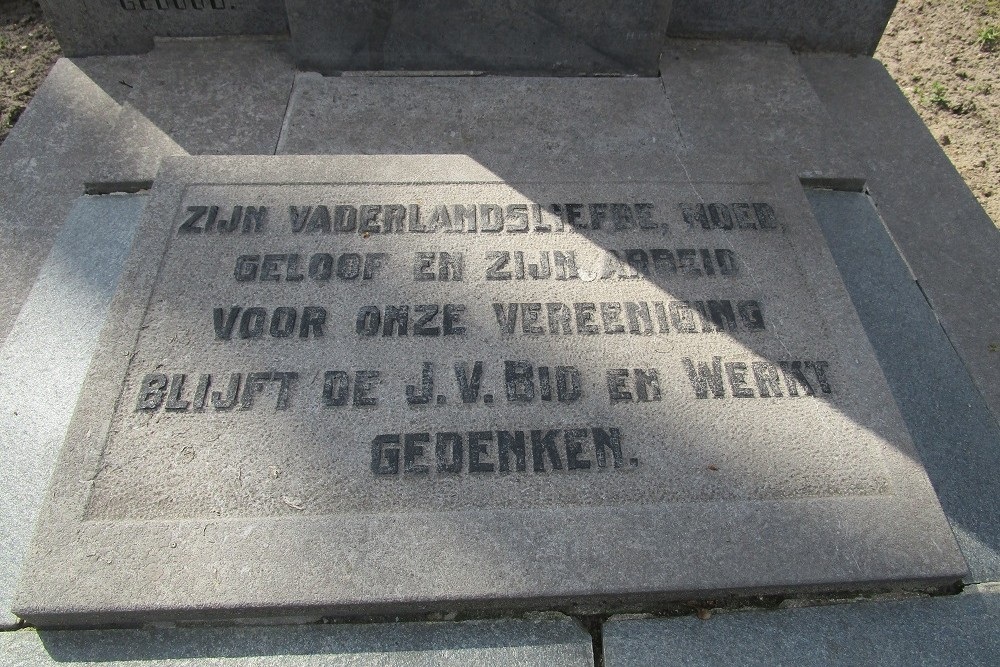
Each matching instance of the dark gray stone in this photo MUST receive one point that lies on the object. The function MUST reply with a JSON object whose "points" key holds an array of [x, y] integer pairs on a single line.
{"points": [[523, 36], [108, 27], [948, 241], [44, 360], [815, 25], [313, 501], [557, 642], [952, 428], [959, 630]]}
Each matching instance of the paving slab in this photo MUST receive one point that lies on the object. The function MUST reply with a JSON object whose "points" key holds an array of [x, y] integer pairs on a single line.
{"points": [[522, 36], [952, 427], [63, 131], [100, 27], [329, 391], [616, 129], [855, 26], [750, 104], [204, 97], [45, 358], [955, 630], [557, 642], [945, 236]]}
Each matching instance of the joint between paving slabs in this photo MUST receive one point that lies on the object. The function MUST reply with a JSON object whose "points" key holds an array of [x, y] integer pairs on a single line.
{"points": [[286, 118], [116, 188]]}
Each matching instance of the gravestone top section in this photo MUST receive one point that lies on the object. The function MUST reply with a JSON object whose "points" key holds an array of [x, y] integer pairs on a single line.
{"points": [[526, 36], [357, 384], [98, 27]]}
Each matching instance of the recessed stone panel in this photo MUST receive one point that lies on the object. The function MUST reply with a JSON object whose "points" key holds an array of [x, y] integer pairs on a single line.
{"points": [[339, 385]]}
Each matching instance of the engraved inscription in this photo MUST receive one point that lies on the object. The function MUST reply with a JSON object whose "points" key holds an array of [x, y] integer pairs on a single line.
{"points": [[476, 345], [177, 5]]}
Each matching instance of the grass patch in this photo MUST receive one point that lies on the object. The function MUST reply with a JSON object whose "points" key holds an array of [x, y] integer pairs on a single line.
{"points": [[989, 38], [938, 98]]}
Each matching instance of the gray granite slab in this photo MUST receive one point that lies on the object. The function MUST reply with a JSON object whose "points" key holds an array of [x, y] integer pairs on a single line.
{"points": [[558, 642], [947, 240], [59, 136], [957, 630], [854, 26], [45, 358], [523, 36], [615, 129], [737, 103], [180, 106], [952, 427], [362, 470], [109, 27]]}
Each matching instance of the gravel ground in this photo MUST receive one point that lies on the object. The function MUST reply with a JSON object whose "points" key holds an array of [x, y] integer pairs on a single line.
{"points": [[945, 55]]}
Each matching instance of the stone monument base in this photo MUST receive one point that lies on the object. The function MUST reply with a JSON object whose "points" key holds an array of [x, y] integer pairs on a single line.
{"points": [[652, 467]]}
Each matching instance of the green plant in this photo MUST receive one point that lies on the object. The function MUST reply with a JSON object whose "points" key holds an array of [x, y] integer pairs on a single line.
{"points": [[939, 96], [989, 38]]}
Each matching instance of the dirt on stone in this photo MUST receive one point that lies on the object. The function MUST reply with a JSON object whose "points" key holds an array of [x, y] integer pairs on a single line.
{"points": [[944, 54]]}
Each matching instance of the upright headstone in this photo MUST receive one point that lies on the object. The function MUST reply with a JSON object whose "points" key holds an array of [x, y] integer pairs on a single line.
{"points": [[355, 384], [529, 36], [526, 36], [93, 27]]}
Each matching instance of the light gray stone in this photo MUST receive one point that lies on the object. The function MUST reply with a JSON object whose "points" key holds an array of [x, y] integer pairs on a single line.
{"points": [[957, 630], [952, 427], [312, 501], [817, 25], [225, 97], [109, 27], [613, 129], [738, 104], [523, 36], [946, 238], [59, 136], [557, 642], [45, 358]]}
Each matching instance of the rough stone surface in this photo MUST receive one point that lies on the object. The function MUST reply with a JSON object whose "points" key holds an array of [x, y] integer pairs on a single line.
{"points": [[522, 36], [42, 164], [558, 642], [615, 129], [631, 488], [959, 630], [45, 358], [749, 104], [817, 25], [108, 27], [949, 242], [180, 105], [952, 427]]}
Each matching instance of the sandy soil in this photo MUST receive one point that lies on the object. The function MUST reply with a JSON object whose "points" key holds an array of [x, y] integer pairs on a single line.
{"points": [[945, 55]]}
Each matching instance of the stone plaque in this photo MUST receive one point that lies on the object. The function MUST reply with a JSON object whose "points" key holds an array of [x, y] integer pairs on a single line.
{"points": [[383, 384], [95, 27]]}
